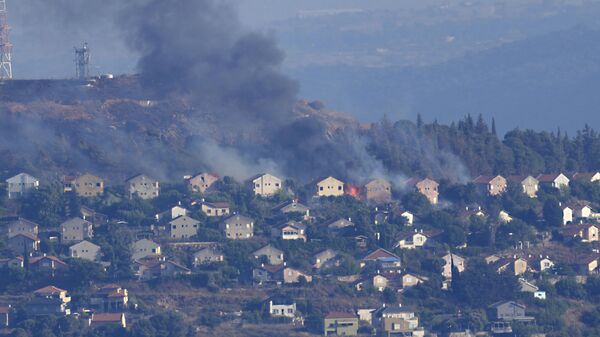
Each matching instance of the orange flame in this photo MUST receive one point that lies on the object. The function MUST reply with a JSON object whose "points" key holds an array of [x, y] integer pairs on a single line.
{"points": [[353, 191]]}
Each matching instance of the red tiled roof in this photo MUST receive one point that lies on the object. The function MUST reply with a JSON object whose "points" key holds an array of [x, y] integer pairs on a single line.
{"points": [[4, 310], [547, 178], [273, 268], [27, 235], [217, 204], [49, 290], [107, 317], [483, 179], [116, 294], [340, 315], [37, 259], [583, 176], [379, 253]]}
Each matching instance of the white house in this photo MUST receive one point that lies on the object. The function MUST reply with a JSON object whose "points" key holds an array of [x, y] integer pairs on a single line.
{"points": [[20, 184], [85, 250], [266, 185]]}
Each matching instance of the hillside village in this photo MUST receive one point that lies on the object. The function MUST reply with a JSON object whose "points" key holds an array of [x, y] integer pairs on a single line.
{"points": [[499, 256]]}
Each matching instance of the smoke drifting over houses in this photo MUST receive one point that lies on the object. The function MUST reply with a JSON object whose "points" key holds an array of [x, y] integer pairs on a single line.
{"points": [[216, 99]]}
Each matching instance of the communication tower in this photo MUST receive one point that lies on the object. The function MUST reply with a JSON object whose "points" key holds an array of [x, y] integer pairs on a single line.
{"points": [[5, 45], [82, 62]]}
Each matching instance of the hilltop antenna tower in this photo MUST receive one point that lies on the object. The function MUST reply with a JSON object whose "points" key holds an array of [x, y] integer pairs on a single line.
{"points": [[82, 61], [5, 45]]}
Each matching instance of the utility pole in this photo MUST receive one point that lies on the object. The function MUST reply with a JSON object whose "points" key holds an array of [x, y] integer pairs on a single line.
{"points": [[82, 62], [5, 45]]}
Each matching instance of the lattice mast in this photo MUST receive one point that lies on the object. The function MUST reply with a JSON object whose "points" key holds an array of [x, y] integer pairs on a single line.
{"points": [[82, 62], [5, 45]]}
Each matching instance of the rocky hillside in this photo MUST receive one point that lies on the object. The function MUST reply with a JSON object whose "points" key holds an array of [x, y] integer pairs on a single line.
{"points": [[110, 126]]}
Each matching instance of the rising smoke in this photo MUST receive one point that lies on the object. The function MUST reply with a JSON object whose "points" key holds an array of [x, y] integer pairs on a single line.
{"points": [[197, 52]]}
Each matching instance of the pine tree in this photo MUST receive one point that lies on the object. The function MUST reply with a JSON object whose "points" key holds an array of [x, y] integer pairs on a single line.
{"points": [[494, 127]]}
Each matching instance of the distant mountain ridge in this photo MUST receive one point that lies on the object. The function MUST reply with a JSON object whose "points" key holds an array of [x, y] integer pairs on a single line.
{"points": [[543, 82]]}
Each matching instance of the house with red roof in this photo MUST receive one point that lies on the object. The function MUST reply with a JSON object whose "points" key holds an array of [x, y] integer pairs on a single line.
{"points": [[103, 319], [340, 324], [554, 180], [49, 300], [587, 177], [5, 312], [23, 243], [491, 185], [110, 298]]}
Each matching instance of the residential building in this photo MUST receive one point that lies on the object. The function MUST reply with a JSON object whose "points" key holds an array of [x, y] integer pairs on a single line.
{"points": [[49, 300], [171, 214], [75, 230], [340, 324], [267, 274], [588, 177], [567, 214], [554, 180], [22, 226], [542, 264], [291, 230], [330, 187], [110, 298], [378, 191], [293, 206], [509, 311], [266, 185], [96, 218], [144, 248], [584, 233], [85, 250], [428, 187], [208, 255], [527, 287], [515, 265], [215, 209], [282, 307], [504, 217], [183, 227], [24, 243], [86, 186], [104, 319], [202, 182], [399, 321], [416, 239], [143, 187], [323, 258], [379, 282], [5, 316], [411, 280], [20, 184], [47, 264], [339, 224], [272, 255], [14, 262], [292, 275], [156, 267], [452, 260], [491, 185], [377, 256], [581, 210], [408, 217], [586, 265], [238, 227], [529, 185]]}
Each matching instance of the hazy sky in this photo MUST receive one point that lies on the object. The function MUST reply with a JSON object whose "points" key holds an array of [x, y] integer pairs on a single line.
{"points": [[260, 12]]}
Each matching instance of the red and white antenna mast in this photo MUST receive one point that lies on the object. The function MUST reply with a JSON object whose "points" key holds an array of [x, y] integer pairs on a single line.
{"points": [[5, 45]]}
